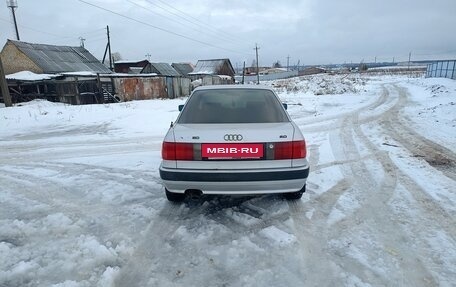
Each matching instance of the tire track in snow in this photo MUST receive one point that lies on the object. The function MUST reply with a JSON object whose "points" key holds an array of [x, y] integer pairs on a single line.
{"points": [[424, 217], [307, 230], [370, 197], [77, 201], [375, 206], [234, 219], [322, 267], [432, 213], [143, 264], [391, 124], [333, 122], [441, 158]]}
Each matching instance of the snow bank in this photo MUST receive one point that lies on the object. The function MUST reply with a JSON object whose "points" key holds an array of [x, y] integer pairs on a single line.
{"points": [[29, 76], [434, 111], [321, 84], [44, 119]]}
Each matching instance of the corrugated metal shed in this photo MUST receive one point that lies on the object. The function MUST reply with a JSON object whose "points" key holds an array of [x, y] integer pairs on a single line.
{"points": [[213, 67], [163, 69], [57, 59], [182, 68], [126, 66], [207, 67]]}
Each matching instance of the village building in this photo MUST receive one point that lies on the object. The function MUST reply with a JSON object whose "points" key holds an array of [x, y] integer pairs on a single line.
{"points": [[253, 70], [213, 72], [145, 67], [55, 73], [73, 75], [20, 56], [161, 69], [183, 68], [130, 67]]}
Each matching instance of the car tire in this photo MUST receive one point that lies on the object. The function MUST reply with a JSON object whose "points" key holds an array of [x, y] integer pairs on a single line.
{"points": [[174, 197], [295, 195]]}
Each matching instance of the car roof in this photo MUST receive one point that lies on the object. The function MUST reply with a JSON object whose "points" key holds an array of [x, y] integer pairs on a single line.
{"points": [[233, 87]]}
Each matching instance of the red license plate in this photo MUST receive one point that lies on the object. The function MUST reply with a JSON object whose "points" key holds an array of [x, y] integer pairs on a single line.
{"points": [[232, 151]]}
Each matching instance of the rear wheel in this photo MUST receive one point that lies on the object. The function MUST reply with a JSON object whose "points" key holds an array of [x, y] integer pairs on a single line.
{"points": [[294, 195], [174, 197]]}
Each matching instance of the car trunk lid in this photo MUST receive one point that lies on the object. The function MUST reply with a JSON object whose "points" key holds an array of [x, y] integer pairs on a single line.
{"points": [[234, 146]]}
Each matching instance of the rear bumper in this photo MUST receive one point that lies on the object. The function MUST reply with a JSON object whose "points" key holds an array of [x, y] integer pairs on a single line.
{"points": [[235, 181]]}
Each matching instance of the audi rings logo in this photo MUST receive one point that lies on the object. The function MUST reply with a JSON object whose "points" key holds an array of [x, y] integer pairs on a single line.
{"points": [[232, 137]]}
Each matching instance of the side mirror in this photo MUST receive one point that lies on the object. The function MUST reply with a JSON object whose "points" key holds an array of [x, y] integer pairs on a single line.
{"points": [[181, 107], [285, 106]]}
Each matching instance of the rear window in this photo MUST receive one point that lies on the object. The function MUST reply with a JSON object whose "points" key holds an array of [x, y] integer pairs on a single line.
{"points": [[233, 106]]}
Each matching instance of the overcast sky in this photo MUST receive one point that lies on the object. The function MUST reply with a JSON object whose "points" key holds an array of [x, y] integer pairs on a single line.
{"points": [[309, 31]]}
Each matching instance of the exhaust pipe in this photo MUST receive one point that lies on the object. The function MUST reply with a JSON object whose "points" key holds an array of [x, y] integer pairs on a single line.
{"points": [[193, 193]]}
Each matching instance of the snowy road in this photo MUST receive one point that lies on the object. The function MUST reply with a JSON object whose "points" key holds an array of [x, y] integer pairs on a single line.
{"points": [[82, 205]]}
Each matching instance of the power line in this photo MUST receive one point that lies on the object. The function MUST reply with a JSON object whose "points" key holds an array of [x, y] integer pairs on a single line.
{"points": [[196, 20], [96, 39], [63, 38], [36, 30], [179, 22], [208, 27], [95, 36], [159, 28], [94, 32]]}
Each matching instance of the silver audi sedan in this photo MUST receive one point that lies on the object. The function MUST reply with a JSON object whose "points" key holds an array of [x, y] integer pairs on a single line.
{"points": [[233, 140]]}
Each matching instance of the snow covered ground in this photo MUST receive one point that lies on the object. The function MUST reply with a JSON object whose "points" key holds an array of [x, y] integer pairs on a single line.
{"points": [[81, 202]]}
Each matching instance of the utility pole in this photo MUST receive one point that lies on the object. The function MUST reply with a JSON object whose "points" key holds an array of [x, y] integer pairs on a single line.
{"points": [[4, 87], [393, 60], [109, 46], [410, 55], [13, 5], [257, 67], [288, 62], [375, 60], [243, 73]]}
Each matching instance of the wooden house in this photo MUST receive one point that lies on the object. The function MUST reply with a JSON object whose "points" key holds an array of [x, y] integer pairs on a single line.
{"points": [[20, 56]]}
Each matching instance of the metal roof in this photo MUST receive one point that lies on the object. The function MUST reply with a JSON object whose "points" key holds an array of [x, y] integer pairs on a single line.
{"points": [[164, 69], [135, 70], [182, 68], [130, 61], [208, 67], [57, 59]]}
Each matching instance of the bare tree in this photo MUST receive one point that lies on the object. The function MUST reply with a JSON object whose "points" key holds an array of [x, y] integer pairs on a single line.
{"points": [[116, 56]]}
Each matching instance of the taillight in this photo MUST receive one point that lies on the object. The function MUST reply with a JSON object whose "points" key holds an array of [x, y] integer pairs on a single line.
{"points": [[290, 150], [299, 149], [177, 151]]}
